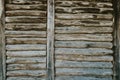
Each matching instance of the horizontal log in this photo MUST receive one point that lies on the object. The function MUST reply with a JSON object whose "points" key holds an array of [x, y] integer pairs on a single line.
{"points": [[85, 16], [31, 73], [26, 78], [26, 41], [83, 4], [12, 67], [88, 51], [42, 7], [79, 29], [25, 34], [85, 37], [61, 23], [84, 71], [88, 0], [27, 13], [28, 1], [25, 19], [82, 78], [82, 44], [25, 26], [26, 53], [84, 10], [76, 64], [75, 57], [26, 47], [32, 60]]}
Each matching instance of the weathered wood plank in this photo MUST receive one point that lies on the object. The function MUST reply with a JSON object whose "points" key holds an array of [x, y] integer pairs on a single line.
{"points": [[79, 29], [25, 19], [50, 40], [84, 71], [89, 0], [22, 34], [26, 47], [83, 23], [32, 60], [29, 1], [26, 53], [83, 4], [84, 10], [89, 51], [82, 44], [74, 57], [42, 7], [12, 67], [26, 78], [2, 42], [25, 26], [82, 77], [26, 41], [76, 64], [85, 37], [32, 73], [27, 13], [84, 16]]}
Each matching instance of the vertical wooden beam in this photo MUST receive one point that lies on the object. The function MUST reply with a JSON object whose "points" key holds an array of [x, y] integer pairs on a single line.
{"points": [[2, 43], [50, 39], [116, 7], [118, 38]]}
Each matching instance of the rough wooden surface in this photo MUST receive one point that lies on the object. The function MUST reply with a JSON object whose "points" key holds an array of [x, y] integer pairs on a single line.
{"points": [[83, 39], [26, 39], [50, 40]]}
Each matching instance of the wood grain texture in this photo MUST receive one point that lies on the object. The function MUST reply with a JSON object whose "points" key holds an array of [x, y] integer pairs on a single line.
{"points": [[50, 40], [26, 39], [28, 78], [83, 39], [2, 42], [80, 64], [82, 77], [26, 53], [82, 44], [83, 71]]}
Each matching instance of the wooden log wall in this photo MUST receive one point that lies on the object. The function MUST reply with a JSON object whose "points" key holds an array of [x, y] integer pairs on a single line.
{"points": [[83, 40], [26, 37], [73, 43]]}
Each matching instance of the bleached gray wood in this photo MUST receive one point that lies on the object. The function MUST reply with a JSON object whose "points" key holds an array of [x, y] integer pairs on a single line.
{"points": [[80, 30], [26, 47], [88, 51], [84, 71], [26, 53], [41, 66], [76, 64], [50, 40], [32, 73], [26, 78], [31, 60], [82, 44], [82, 78]]}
